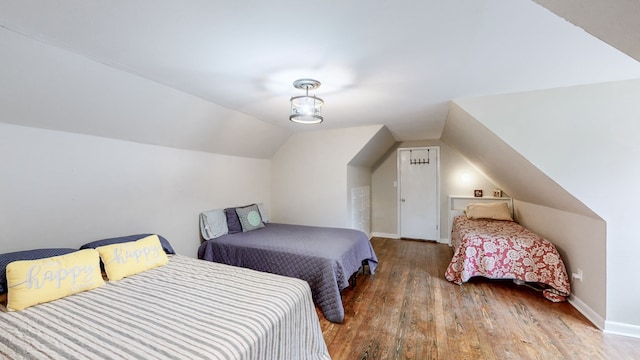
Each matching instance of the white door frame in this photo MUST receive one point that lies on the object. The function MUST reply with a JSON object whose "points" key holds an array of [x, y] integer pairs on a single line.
{"points": [[398, 193]]}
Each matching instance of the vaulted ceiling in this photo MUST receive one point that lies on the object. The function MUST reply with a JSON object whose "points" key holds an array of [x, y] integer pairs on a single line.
{"points": [[392, 63]]}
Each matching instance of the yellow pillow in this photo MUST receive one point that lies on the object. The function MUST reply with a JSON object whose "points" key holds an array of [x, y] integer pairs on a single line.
{"points": [[495, 211], [32, 282], [124, 259]]}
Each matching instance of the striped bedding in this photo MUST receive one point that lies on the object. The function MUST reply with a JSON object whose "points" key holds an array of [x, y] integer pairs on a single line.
{"points": [[187, 309]]}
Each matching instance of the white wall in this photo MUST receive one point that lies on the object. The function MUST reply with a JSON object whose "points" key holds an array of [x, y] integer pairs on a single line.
{"points": [[60, 189], [310, 177], [586, 139], [384, 195], [63, 188], [579, 240]]}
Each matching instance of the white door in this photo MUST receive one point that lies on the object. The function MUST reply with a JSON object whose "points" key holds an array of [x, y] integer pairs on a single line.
{"points": [[418, 193]]}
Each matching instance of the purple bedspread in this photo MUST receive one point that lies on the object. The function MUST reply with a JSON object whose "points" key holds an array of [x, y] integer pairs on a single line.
{"points": [[324, 257]]}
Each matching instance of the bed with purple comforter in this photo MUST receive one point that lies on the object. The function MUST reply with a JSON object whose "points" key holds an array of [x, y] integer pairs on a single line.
{"points": [[324, 257]]}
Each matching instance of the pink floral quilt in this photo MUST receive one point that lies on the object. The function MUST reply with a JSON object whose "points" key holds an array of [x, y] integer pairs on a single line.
{"points": [[506, 250]]}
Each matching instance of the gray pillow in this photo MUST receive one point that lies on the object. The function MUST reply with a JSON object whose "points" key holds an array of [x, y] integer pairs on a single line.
{"points": [[213, 224], [249, 217], [263, 213]]}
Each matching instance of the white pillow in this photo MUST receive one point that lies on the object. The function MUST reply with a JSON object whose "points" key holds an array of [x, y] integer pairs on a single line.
{"points": [[213, 224], [263, 213], [494, 211]]}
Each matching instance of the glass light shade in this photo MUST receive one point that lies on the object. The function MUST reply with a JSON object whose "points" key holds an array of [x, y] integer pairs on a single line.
{"points": [[306, 109]]}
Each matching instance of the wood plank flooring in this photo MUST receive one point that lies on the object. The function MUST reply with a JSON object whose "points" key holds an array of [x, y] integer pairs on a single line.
{"points": [[408, 310]]}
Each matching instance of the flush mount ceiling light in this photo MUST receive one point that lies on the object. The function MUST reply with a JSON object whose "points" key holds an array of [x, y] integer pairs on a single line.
{"points": [[306, 109]]}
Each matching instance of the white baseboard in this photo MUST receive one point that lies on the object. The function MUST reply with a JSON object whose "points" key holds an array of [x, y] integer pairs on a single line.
{"points": [[396, 236], [608, 327], [617, 328], [585, 310], [385, 235]]}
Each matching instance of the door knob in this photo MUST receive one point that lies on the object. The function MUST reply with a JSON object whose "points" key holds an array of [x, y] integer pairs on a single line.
{"points": [[402, 200]]}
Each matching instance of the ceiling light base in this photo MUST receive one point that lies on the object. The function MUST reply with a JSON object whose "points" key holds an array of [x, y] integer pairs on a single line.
{"points": [[306, 84]]}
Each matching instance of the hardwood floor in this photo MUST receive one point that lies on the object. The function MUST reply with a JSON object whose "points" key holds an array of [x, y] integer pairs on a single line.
{"points": [[408, 310]]}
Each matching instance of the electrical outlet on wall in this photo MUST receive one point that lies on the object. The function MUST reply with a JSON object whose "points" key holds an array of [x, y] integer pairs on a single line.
{"points": [[577, 275]]}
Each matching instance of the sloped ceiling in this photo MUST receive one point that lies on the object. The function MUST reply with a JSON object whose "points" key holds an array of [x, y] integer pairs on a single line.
{"points": [[375, 148], [583, 137], [504, 166], [614, 22], [380, 63]]}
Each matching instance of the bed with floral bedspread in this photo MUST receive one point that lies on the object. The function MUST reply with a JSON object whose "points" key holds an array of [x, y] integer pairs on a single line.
{"points": [[498, 249]]}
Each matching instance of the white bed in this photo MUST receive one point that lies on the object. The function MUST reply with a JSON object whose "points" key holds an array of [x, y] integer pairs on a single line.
{"points": [[186, 309]]}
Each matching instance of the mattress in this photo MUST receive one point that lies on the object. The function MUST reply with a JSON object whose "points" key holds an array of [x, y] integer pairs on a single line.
{"points": [[506, 250], [324, 257], [186, 309]]}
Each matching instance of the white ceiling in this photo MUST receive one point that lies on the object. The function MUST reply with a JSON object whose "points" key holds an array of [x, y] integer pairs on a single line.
{"points": [[396, 63]]}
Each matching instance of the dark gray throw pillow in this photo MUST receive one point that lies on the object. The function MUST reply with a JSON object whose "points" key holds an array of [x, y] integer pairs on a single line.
{"points": [[250, 217], [233, 223]]}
